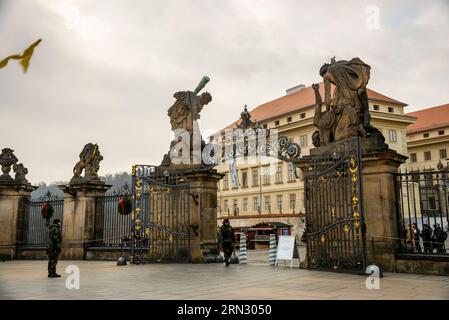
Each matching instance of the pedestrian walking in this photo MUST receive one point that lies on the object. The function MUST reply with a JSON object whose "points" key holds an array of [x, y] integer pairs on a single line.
{"points": [[54, 248], [409, 238], [416, 234], [439, 237], [426, 235], [227, 240]]}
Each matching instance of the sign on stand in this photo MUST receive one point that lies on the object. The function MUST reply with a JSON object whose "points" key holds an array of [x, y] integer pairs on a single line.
{"points": [[286, 250]]}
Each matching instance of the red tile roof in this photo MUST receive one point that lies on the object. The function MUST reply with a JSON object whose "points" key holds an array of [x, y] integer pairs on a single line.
{"points": [[300, 100], [430, 118]]}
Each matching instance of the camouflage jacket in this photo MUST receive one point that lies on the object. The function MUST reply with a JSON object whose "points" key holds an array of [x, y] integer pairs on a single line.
{"points": [[227, 234], [55, 237]]}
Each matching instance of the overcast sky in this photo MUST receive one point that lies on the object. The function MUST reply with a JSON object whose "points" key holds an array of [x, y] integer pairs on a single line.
{"points": [[106, 70]]}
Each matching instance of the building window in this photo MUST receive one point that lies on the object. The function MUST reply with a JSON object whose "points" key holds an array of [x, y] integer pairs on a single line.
{"points": [[279, 174], [376, 107], [390, 109], [267, 204], [276, 123], [393, 136], [303, 140], [302, 115], [256, 204], [244, 179], [443, 154], [441, 132], [413, 157], [279, 200], [432, 203], [226, 182], [292, 201], [225, 206], [245, 204], [255, 175], [265, 126], [427, 156], [235, 207], [425, 135], [289, 119], [266, 175], [291, 172]]}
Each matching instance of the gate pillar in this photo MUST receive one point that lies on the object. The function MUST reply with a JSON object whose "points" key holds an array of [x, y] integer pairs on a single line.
{"points": [[379, 198], [79, 212], [203, 212], [12, 210]]}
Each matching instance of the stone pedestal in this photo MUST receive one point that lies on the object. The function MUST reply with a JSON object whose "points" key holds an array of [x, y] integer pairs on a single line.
{"points": [[203, 212], [379, 200], [79, 212], [13, 203]]}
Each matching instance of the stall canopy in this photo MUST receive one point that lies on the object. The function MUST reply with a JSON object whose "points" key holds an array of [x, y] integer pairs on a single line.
{"points": [[270, 226]]}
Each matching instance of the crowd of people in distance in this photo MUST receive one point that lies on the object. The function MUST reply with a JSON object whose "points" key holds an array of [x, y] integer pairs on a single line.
{"points": [[432, 239]]}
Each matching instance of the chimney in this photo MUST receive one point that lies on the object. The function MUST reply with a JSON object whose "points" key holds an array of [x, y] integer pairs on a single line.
{"points": [[294, 89]]}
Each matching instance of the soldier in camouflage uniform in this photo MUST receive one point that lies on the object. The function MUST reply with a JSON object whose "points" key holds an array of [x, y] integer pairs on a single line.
{"points": [[227, 238], [54, 248]]}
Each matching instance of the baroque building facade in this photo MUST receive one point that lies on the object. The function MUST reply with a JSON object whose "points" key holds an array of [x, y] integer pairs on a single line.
{"points": [[428, 138]]}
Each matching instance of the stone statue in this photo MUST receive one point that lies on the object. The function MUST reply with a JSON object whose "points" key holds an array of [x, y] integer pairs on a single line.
{"points": [[21, 172], [347, 113], [89, 161], [7, 159], [324, 121], [184, 114]]}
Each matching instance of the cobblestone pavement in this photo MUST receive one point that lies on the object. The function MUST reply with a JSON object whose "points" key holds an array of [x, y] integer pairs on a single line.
{"points": [[105, 280]]}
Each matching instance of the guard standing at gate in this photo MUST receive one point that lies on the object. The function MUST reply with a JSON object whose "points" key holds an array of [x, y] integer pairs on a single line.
{"points": [[227, 240], [54, 248]]}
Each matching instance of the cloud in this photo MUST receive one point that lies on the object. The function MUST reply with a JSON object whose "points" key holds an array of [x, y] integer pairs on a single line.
{"points": [[106, 71]]}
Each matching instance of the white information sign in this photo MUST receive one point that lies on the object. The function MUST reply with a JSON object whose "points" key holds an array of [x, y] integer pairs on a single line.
{"points": [[286, 249]]}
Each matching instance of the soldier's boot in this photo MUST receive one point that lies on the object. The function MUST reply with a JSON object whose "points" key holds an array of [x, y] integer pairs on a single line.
{"points": [[54, 275]]}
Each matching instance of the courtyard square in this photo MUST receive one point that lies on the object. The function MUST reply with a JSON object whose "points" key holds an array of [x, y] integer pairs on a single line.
{"points": [[105, 280]]}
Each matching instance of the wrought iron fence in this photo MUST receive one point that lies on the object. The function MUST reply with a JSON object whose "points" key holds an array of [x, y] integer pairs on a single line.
{"points": [[35, 226], [423, 211], [112, 228]]}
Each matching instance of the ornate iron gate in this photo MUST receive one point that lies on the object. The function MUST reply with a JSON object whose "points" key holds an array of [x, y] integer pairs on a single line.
{"points": [[160, 217], [335, 228]]}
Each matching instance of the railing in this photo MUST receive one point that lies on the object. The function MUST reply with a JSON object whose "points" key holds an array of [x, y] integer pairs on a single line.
{"points": [[422, 211], [35, 226]]}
